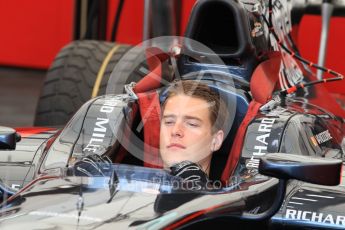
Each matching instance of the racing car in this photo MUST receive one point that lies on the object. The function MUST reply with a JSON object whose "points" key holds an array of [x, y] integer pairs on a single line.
{"points": [[279, 167]]}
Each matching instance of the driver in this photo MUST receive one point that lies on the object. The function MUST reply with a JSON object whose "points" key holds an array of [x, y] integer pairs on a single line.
{"points": [[191, 128], [192, 119]]}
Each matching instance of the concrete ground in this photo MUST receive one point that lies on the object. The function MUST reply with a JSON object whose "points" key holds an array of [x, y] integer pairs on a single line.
{"points": [[19, 93]]}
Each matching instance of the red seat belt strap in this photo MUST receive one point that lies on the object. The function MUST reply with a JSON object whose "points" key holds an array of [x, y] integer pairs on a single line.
{"points": [[150, 114], [235, 152], [149, 105]]}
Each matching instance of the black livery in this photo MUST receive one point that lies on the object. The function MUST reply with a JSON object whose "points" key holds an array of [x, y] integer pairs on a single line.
{"points": [[288, 171]]}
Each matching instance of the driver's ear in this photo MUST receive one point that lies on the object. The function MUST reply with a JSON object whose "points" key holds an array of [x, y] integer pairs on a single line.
{"points": [[217, 140]]}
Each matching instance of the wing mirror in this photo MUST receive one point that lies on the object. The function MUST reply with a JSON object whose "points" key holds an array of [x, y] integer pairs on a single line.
{"points": [[8, 138], [322, 171]]}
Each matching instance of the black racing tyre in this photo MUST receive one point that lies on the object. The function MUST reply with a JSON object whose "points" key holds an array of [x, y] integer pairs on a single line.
{"points": [[71, 78]]}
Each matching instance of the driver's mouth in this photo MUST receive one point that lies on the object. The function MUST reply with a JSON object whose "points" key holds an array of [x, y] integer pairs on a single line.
{"points": [[176, 146]]}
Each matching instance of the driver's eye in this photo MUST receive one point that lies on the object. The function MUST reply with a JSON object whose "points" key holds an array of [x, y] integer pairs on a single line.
{"points": [[169, 121], [193, 124]]}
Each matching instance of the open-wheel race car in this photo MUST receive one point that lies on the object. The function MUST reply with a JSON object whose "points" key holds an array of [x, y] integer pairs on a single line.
{"points": [[279, 166]]}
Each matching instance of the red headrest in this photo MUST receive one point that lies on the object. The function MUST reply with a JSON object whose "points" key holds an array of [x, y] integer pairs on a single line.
{"points": [[265, 77]]}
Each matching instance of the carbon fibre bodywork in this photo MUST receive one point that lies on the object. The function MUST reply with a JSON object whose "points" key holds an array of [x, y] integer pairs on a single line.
{"points": [[108, 125], [283, 129]]}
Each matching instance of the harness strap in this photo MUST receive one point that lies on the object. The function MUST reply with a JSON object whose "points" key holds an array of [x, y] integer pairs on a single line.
{"points": [[235, 152], [150, 114], [263, 82], [149, 105], [152, 81]]}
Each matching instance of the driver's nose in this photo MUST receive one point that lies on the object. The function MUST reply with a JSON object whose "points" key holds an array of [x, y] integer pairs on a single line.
{"points": [[177, 130]]}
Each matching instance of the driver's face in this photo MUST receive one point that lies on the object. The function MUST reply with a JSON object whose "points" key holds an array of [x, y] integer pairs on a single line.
{"points": [[185, 131]]}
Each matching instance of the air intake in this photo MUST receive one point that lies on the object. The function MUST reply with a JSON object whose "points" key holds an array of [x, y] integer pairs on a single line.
{"points": [[222, 26]]}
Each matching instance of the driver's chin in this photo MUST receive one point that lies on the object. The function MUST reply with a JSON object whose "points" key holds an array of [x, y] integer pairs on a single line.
{"points": [[170, 161], [172, 158]]}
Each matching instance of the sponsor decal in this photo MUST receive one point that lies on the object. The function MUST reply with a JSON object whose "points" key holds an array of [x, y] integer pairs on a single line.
{"points": [[318, 217], [100, 128], [314, 141], [257, 31], [323, 137], [16, 186], [260, 149]]}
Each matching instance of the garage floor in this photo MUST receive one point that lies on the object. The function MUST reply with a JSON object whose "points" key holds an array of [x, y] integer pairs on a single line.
{"points": [[19, 93]]}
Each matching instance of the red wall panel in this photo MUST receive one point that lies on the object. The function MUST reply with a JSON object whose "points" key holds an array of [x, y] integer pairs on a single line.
{"points": [[130, 28], [34, 31], [309, 42], [187, 6]]}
